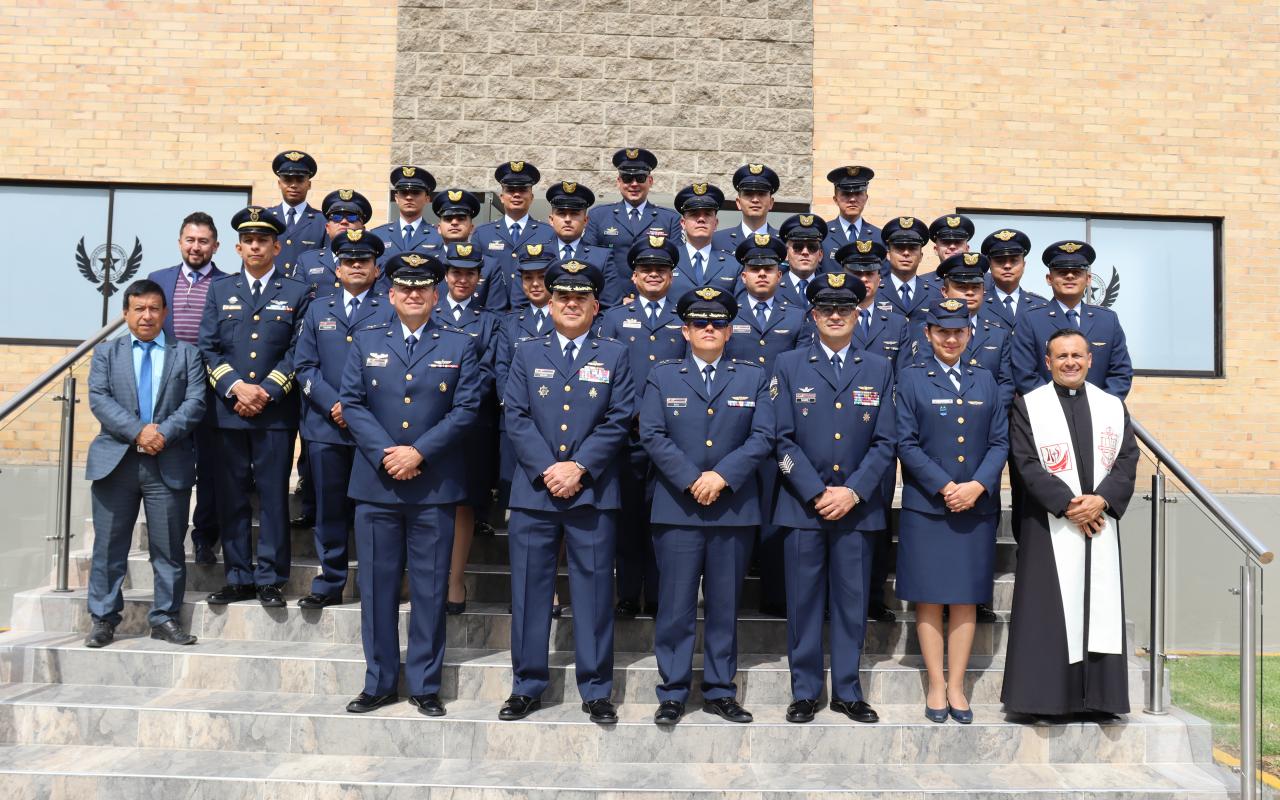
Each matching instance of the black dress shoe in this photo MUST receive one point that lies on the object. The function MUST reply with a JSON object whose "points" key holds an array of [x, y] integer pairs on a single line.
{"points": [[103, 634], [302, 521], [428, 704], [231, 593], [171, 632], [669, 713], [626, 609], [368, 702], [802, 711], [858, 711], [985, 614], [600, 711], [205, 556], [483, 529], [727, 708], [519, 706], [316, 600], [270, 596], [881, 613]]}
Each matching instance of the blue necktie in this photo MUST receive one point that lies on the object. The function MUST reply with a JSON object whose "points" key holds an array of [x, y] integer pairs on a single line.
{"points": [[539, 318], [835, 364], [408, 234], [905, 290], [568, 357], [762, 311], [566, 252], [955, 378], [653, 313], [257, 291], [1073, 317], [293, 217], [515, 232], [633, 214], [804, 285], [144, 383], [1008, 304], [409, 342], [864, 322], [351, 308], [697, 268], [710, 372]]}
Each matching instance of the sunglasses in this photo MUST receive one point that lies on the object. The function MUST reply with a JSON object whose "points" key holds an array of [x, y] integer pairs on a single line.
{"points": [[834, 311], [409, 192], [698, 324], [633, 178], [806, 246], [348, 217]]}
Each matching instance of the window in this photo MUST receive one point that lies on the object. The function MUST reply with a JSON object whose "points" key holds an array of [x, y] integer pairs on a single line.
{"points": [[78, 244], [1161, 275]]}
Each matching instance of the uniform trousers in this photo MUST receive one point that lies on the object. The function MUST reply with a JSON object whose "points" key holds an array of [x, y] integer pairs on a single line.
{"points": [[330, 476], [769, 551], [826, 569], [388, 538], [204, 520], [637, 564], [717, 558], [254, 459], [136, 480], [534, 543]]}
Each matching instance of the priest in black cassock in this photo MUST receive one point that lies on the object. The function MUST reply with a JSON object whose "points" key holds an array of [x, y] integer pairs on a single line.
{"points": [[1072, 446]]}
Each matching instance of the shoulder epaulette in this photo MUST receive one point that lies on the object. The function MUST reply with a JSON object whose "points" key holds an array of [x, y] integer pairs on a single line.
{"points": [[744, 363]]}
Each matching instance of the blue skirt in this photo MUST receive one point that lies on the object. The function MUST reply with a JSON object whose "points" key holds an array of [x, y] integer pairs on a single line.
{"points": [[945, 559]]}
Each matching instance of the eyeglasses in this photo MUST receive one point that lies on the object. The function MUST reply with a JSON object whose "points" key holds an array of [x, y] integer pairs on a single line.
{"points": [[633, 178], [806, 246], [699, 324], [834, 311], [348, 217]]}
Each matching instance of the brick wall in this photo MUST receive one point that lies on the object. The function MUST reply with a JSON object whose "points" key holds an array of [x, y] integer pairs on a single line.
{"points": [[1121, 107], [706, 86]]}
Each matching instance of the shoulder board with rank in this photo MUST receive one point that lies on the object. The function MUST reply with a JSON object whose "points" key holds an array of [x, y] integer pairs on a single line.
{"points": [[742, 363]]}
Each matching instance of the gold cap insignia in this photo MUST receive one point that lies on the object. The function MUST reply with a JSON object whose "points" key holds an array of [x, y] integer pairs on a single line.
{"points": [[755, 169], [463, 249], [835, 280], [1005, 236], [907, 222], [708, 293], [951, 304], [355, 235], [408, 171], [864, 247], [517, 166], [293, 155], [345, 194], [533, 249], [633, 153], [970, 259], [762, 239], [455, 195], [413, 260], [569, 187], [806, 220], [699, 188], [1070, 247], [853, 171], [953, 222], [254, 212], [657, 241], [573, 267]]}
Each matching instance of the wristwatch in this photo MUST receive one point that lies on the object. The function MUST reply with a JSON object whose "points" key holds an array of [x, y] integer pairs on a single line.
{"points": [[580, 466]]}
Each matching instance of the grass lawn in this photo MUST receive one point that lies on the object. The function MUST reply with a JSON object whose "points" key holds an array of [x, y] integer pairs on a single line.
{"points": [[1209, 687]]}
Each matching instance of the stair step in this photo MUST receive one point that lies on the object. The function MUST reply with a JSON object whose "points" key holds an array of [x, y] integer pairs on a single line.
{"points": [[210, 720], [50, 770]]}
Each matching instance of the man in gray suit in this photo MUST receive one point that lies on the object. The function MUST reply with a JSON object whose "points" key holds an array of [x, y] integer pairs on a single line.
{"points": [[148, 392]]}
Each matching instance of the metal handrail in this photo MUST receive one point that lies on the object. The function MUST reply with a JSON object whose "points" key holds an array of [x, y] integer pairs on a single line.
{"points": [[1253, 547], [66, 362]]}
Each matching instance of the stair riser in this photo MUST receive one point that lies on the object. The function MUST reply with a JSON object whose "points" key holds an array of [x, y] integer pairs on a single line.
{"points": [[530, 740]]}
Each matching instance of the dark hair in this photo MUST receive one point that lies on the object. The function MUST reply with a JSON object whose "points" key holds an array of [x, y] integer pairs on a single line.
{"points": [[1063, 333], [141, 289], [199, 218]]}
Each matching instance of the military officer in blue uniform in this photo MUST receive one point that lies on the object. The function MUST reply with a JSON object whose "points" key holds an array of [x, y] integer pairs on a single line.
{"points": [[1068, 262], [835, 443], [701, 263], [850, 194], [765, 326], [879, 328], [247, 337], [756, 184], [324, 341], [617, 225], [707, 423], [804, 235], [501, 240], [458, 309], [303, 224], [409, 391], [650, 330], [950, 234], [344, 210], [953, 439], [456, 210], [1006, 300], [410, 233], [569, 403], [570, 204], [909, 293]]}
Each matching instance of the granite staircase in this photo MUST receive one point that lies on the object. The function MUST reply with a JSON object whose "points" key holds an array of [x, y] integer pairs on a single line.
{"points": [[256, 710]]}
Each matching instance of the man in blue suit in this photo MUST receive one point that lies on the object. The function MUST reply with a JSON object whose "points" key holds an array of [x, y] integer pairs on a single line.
{"points": [[1068, 262], [569, 404], [303, 224], [570, 204], [908, 293], [147, 390], [756, 184], [617, 225], [501, 240], [324, 341], [1006, 300], [410, 233], [707, 424], [835, 443], [410, 389], [804, 235], [879, 328], [850, 194], [247, 338], [950, 234], [457, 210], [701, 263], [185, 289]]}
